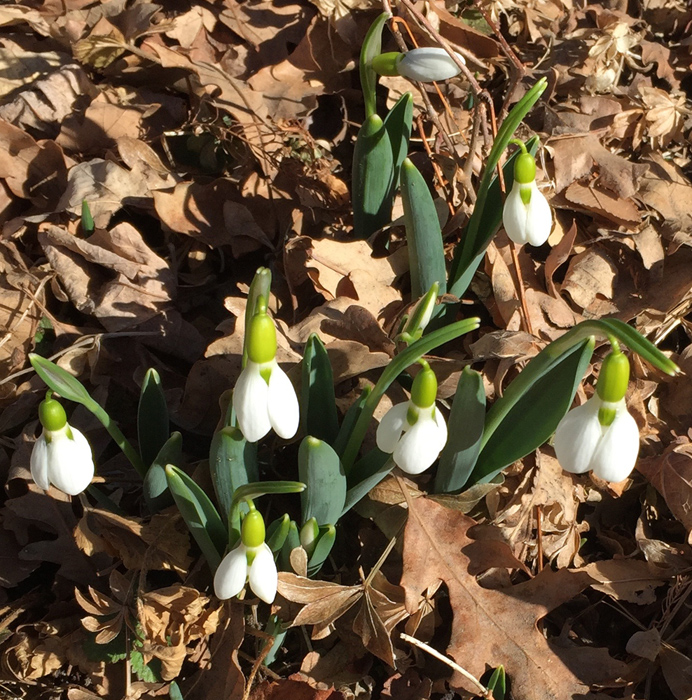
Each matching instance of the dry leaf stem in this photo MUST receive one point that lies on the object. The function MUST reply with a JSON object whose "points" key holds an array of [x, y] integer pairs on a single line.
{"points": [[441, 657]]}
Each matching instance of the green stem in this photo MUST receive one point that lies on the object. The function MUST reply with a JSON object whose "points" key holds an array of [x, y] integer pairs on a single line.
{"points": [[120, 440]]}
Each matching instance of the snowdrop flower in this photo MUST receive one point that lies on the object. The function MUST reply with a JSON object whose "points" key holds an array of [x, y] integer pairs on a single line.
{"points": [[264, 397], [62, 455], [251, 560], [601, 436], [414, 432], [425, 65], [526, 214]]}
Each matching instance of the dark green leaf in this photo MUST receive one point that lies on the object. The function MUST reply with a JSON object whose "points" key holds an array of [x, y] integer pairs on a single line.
{"points": [[398, 123], [155, 487], [153, 428], [318, 403], [320, 469], [372, 46], [322, 550], [465, 427]]}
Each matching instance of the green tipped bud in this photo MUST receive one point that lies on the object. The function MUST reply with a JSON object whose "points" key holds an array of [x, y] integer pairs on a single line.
{"points": [[525, 169], [309, 534], [386, 63], [424, 390], [422, 314], [252, 530], [614, 378], [261, 345], [52, 415]]}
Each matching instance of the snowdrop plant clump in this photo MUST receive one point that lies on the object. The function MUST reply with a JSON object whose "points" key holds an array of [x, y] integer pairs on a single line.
{"points": [[526, 215], [426, 65], [252, 560], [264, 397], [62, 455], [414, 432], [601, 436]]}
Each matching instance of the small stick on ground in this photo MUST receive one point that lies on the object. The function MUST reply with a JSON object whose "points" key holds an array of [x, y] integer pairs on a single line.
{"points": [[520, 289], [441, 657], [539, 537]]}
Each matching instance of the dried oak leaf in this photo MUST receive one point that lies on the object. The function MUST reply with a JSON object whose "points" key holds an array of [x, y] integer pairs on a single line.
{"points": [[491, 627], [293, 689]]}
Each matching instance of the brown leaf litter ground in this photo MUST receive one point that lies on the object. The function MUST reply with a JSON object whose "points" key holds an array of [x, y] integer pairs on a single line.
{"points": [[211, 138]]}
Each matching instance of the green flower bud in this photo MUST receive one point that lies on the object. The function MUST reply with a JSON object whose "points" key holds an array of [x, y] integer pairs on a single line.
{"points": [[52, 415], [424, 389], [252, 529], [525, 169], [614, 377], [261, 345], [309, 534]]}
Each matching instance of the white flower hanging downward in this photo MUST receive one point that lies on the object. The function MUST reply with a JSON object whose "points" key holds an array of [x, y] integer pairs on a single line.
{"points": [[62, 455], [251, 560], [264, 397], [601, 436], [414, 432], [425, 65], [526, 214]]}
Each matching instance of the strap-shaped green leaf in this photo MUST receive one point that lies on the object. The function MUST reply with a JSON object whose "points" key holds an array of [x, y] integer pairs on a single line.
{"points": [[277, 532], [372, 175], [367, 472], [398, 123], [232, 463], [155, 486], [324, 546], [350, 420], [292, 541], [318, 403], [465, 429], [320, 468], [153, 427], [476, 239], [535, 415], [372, 46], [423, 233], [199, 514]]}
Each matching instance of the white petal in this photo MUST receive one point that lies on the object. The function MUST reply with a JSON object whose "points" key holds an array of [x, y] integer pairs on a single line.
{"points": [[514, 216], [39, 463], [391, 426], [419, 446], [441, 428], [539, 218], [282, 404], [231, 575], [250, 403], [263, 575], [428, 64], [617, 452], [70, 464], [577, 437]]}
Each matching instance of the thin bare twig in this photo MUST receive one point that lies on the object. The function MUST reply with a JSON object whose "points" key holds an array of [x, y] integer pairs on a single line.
{"points": [[446, 660]]}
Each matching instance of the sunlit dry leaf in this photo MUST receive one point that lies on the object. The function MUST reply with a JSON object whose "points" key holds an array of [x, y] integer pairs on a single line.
{"points": [[626, 579], [590, 278], [490, 627], [100, 50]]}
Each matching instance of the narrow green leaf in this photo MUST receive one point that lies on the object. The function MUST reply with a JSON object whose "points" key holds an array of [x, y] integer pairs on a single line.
{"points": [[277, 532], [61, 381], [372, 175], [88, 225], [318, 403], [201, 517], [292, 541], [153, 427], [155, 486], [372, 46], [174, 692], [497, 683], [423, 233], [322, 549], [366, 474], [232, 463], [474, 240], [534, 417], [465, 427], [398, 123], [350, 420], [320, 468]]}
